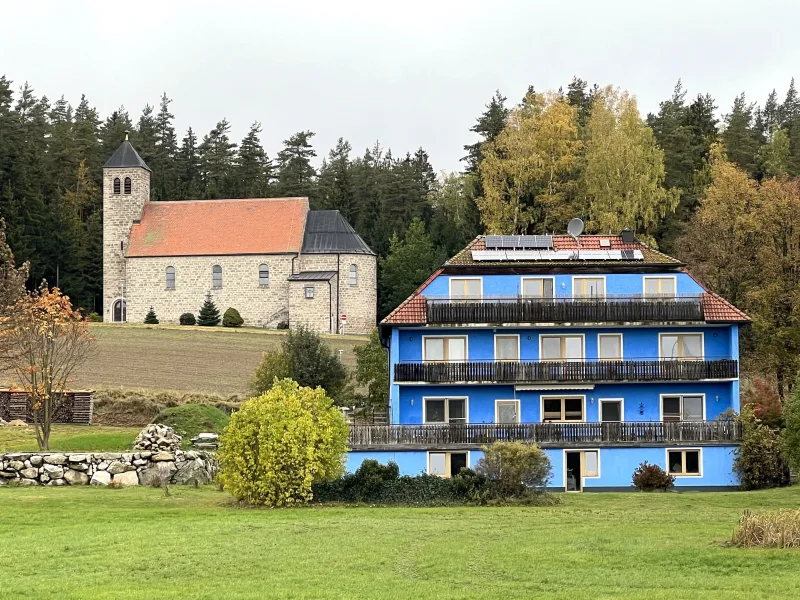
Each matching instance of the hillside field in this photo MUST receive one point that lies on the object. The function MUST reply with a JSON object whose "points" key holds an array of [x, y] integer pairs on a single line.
{"points": [[214, 360]]}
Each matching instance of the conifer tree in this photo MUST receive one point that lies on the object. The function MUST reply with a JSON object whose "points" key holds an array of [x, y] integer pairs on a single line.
{"points": [[295, 172], [151, 318], [217, 155], [253, 167], [164, 182], [12, 278], [740, 137], [188, 165], [488, 126], [145, 137], [335, 181], [113, 131], [209, 313]]}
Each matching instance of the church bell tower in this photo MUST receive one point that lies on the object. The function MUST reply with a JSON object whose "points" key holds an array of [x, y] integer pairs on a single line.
{"points": [[126, 190]]}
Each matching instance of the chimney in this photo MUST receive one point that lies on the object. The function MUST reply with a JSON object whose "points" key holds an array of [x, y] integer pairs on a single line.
{"points": [[627, 236]]}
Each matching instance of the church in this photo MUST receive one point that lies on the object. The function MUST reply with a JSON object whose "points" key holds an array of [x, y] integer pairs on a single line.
{"points": [[272, 259]]}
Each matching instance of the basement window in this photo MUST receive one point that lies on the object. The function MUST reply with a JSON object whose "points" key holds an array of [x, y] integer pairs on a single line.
{"points": [[446, 464]]}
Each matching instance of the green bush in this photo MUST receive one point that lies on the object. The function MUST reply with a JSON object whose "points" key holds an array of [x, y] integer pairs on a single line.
{"points": [[279, 444], [190, 419], [649, 478], [790, 437], [187, 319], [758, 461], [372, 373], [514, 468], [232, 318], [150, 318], [305, 358]]}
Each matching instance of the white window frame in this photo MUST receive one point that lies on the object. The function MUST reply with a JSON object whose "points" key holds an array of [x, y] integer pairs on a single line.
{"points": [[561, 335], [674, 285], [543, 397], [497, 409], [306, 289], [621, 347], [681, 475], [259, 275], [674, 333], [681, 396], [522, 286], [508, 335], [174, 277], [352, 274], [583, 477], [466, 346], [221, 277], [446, 410], [447, 460], [450, 287], [621, 409], [124, 311], [580, 277]]}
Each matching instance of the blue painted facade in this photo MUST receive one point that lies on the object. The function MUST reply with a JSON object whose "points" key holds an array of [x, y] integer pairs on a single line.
{"points": [[640, 402]]}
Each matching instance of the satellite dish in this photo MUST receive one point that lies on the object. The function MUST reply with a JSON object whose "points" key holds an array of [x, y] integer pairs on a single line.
{"points": [[575, 227]]}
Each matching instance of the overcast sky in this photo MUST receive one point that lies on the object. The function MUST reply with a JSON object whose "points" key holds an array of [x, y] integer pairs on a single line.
{"points": [[411, 73]]}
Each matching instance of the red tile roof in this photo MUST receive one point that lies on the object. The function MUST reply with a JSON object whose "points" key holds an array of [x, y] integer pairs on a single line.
{"points": [[412, 310], [716, 308], [219, 227]]}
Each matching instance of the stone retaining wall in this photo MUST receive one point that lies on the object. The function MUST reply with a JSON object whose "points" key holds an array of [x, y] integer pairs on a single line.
{"points": [[105, 468]]}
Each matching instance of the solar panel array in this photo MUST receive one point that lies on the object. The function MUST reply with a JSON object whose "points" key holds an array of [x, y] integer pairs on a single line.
{"points": [[518, 242], [545, 255]]}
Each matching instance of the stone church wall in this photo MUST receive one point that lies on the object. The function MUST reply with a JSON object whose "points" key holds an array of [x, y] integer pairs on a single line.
{"points": [[258, 304], [358, 302], [317, 313]]}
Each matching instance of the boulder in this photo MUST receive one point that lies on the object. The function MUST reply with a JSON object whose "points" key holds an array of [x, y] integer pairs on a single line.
{"points": [[55, 459], [8, 474], [160, 456], [44, 477], [30, 473], [79, 466], [116, 467], [36, 460], [77, 458], [108, 456], [192, 470], [16, 465], [76, 477], [162, 471], [102, 466], [17, 423], [53, 471], [28, 482], [100, 478], [57, 482], [126, 479], [140, 462]]}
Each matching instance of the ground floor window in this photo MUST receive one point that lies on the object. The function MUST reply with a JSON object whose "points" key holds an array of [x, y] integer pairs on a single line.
{"points": [[447, 464], [682, 408], [445, 410], [683, 462], [579, 464], [562, 409]]}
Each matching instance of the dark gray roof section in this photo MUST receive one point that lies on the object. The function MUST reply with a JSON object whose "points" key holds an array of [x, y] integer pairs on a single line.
{"points": [[313, 276], [125, 157], [328, 232]]}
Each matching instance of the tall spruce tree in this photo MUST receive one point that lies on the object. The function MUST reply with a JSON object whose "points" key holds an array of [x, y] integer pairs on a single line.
{"points": [[164, 183], [253, 167], [740, 136], [209, 313], [188, 166], [217, 156], [336, 190], [488, 126], [296, 175]]}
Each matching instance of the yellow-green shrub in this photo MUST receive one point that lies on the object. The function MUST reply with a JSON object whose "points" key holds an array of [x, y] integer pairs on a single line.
{"points": [[279, 444]]}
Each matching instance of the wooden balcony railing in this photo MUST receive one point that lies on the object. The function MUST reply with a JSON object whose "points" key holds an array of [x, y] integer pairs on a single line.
{"points": [[579, 371], [411, 436], [516, 309]]}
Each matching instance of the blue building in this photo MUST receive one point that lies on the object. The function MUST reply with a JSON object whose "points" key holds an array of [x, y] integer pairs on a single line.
{"points": [[603, 351]]}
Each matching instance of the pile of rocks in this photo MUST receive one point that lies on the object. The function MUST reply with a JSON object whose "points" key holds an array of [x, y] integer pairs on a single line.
{"points": [[105, 468], [157, 437]]}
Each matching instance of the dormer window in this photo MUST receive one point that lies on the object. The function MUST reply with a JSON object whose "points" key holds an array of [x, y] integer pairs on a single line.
{"points": [[116, 185], [127, 185]]}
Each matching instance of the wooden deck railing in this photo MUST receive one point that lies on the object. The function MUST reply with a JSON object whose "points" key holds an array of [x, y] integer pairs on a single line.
{"points": [[545, 371], [362, 436], [516, 309]]}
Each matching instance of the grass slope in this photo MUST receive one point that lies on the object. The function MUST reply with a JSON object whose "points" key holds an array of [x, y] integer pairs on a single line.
{"points": [[70, 438], [135, 544], [214, 360]]}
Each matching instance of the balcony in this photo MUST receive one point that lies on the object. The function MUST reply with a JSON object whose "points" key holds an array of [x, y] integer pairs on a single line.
{"points": [[609, 309], [565, 372], [545, 434]]}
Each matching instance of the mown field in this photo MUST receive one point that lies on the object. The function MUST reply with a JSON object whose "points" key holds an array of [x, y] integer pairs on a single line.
{"points": [[70, 438], [185, 359], [90, 543]]}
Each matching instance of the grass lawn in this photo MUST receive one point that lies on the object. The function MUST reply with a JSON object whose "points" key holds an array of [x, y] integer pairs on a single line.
{"points": [[90, 543], [70, 438], [216, 360]]}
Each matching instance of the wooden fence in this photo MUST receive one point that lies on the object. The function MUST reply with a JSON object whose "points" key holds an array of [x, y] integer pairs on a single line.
{"points": [[546, 433], [76, 407]]}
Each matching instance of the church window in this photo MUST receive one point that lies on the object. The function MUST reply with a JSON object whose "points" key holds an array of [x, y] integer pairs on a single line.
{"points": [[127, 185], [170, 278], [309, 292], [353, 274], [263, 275], [216, 276], [116, 185]]}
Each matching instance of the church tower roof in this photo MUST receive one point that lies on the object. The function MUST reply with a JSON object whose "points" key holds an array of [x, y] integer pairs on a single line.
{"points": [[125, 157]]}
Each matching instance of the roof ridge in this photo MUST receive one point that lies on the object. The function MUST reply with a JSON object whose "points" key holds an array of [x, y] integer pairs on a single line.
{"points": [[229, 200]]}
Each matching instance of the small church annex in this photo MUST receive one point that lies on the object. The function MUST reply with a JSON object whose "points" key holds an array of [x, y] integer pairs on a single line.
{"points": [[273, 259]]}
